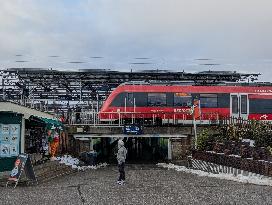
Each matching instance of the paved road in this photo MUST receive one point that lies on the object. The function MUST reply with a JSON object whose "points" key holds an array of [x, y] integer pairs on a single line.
{"points": [[146, 184]]}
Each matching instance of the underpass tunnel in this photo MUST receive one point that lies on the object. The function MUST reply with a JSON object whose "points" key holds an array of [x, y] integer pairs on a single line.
{"points": [[140, 149]]}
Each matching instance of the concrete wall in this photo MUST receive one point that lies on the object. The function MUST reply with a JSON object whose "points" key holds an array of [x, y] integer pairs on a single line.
{"points": [[182, 130]]}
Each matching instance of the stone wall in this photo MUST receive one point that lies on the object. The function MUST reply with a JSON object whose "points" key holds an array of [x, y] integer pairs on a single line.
{"points": [[181, 147]]}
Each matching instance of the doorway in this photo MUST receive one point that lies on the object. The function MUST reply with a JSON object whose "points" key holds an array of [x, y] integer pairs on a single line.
{"points": [[239, 105]]}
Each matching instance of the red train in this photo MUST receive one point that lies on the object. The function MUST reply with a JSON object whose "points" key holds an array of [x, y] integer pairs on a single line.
{"points": [[172, 103]]}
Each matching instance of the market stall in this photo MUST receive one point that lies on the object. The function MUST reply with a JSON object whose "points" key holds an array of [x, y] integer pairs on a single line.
{"points": [[26, 130]]}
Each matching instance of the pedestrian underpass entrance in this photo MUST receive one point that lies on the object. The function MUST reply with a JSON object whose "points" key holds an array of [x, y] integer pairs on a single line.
{"points": [[144, 149]]}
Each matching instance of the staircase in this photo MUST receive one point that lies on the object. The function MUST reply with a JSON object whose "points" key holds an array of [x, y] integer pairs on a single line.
{"points": [[50, 170], [44, 173]]}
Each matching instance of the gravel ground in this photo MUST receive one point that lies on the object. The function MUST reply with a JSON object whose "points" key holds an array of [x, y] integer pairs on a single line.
{"points": [[146, 184]]}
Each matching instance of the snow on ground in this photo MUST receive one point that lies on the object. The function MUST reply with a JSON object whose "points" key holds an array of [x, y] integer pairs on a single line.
{"points": [[259, 180], [73, 162]]}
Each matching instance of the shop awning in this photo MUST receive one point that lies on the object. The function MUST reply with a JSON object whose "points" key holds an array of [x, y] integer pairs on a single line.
{"points": [[47, 121]]}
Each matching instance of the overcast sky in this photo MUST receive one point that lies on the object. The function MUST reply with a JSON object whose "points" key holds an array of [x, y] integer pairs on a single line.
{"points": [[171, 34]]}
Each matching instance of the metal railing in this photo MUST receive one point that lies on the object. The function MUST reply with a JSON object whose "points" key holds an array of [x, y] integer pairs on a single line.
{"points": [[94, 118]]}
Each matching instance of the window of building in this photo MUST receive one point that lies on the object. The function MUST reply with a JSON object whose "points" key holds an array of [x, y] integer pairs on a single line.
{"points": [[156, 99], [182, 99], [208, 100]]}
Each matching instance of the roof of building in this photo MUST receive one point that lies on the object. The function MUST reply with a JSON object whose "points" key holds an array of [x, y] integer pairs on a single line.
{"points": [[27, 112]]}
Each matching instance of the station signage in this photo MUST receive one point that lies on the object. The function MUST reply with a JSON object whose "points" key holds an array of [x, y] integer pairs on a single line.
{"points": [[133, 130]]}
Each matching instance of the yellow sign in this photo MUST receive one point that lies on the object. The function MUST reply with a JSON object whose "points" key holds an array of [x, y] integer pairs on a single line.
{"points": [[182, 94]]}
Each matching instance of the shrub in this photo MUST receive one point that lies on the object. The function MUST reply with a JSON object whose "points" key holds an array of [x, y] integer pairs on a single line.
{"points": [[203, 139]]}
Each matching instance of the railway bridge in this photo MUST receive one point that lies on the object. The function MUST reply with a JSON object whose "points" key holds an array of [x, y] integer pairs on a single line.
{"points": [[144, 142]]}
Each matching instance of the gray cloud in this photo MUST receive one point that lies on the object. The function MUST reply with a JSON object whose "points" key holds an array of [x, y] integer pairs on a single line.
{"points": [[235, 34]]}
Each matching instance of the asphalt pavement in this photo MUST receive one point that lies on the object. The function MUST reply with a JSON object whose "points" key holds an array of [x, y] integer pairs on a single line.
{"points": [[145, 184]]}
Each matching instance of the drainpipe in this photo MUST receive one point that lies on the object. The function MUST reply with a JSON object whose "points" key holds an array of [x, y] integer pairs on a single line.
{"points": [[169, 149]]}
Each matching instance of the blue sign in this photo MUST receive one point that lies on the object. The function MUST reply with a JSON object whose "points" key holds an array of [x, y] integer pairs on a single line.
{"points": [[133, 130]]}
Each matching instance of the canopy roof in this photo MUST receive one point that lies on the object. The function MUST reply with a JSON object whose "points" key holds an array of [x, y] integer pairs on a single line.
{"points": [[27, 112], [49, 122]]}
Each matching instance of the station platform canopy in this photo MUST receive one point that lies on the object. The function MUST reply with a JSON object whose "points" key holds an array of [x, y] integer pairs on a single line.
{"points": [[25, 111]]}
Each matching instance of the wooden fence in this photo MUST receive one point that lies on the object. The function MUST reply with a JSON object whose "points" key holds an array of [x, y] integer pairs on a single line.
{"points": [[261, 167]]}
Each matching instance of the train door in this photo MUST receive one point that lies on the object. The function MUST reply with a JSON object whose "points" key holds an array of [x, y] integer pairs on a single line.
{"points": [[239, 105]]}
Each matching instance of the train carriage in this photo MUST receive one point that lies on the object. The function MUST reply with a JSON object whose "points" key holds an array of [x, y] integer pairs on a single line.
{"points": [[169, 103]]}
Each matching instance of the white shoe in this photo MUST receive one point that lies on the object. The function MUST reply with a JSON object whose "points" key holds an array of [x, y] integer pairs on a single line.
{"points": [[121, 182]]}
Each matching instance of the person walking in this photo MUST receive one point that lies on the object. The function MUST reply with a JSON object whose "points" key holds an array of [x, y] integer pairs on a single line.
{"points": [[121, 158]]}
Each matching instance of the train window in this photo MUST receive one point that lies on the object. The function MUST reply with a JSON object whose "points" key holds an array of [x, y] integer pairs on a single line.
{"points": [[119, 100], [243, 104], [260, 106], [140, 99], [182, 99], [130, 100], [234, 104], [223, 100], [130, 97], [156, 99], [208, 100]]}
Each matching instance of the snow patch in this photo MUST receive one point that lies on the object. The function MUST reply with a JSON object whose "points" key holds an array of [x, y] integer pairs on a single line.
{"points": [[259, 180], [73, 162]]}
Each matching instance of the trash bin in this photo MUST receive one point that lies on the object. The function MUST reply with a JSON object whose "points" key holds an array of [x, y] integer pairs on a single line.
{"points": [[89, 158]]}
